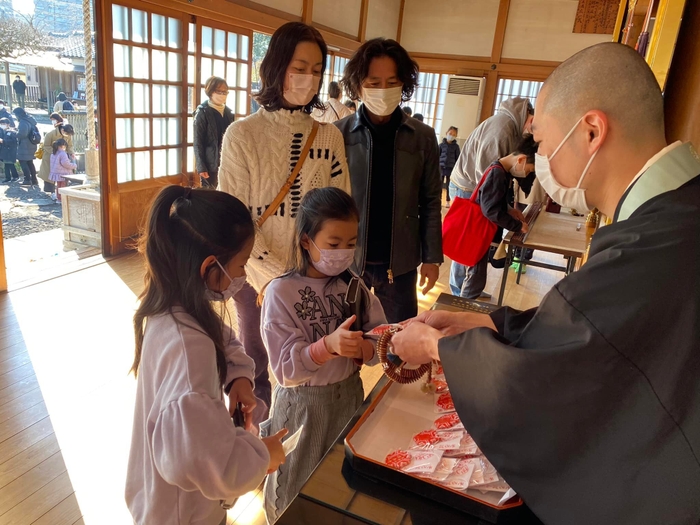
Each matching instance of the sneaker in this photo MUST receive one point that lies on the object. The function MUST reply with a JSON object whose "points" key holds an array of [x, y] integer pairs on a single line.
{"points": [[15, 179], [6, 181], [26, 183], [516, 266]]}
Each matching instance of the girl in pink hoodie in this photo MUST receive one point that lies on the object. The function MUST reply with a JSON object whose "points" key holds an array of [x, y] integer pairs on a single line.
{"points": [[187, 458], [61, 166]]}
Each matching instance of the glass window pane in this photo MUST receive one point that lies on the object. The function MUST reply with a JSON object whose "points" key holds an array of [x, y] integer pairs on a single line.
{"points": [[174, 161], [120, 22], [173, 99], [159, 64], [125, 167], [174, 132], [220, 43], [243, 79], [139, 61], [124, 138], [242, 101], [191, 43], [139, 26], [142, 165], [244, 47], [206, 40], [190, 69], [158, 30], [122, 97], [190, 160], [190, 130], [141, 135], [174, 69], [231, 70], [160, 163], [173, 32], [220, 68], [206, 69], [232, 45], [140, 93], [122, 63], [190, 100], [202, 95], [160, 99], [231, 100]]}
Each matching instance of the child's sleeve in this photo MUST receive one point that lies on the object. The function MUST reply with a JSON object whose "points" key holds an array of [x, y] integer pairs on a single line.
{"points": [[237, 361], [493, 201], [197, 448], [294, 360], [374, 317], [66, 163]]}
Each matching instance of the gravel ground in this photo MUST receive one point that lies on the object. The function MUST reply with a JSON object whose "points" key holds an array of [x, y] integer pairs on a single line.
{"points": [[27, 210]]}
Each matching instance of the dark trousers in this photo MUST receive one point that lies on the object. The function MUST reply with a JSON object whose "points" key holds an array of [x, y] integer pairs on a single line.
{"points": [[21, 99], [399, 299], [248, 314], [446, 181], [28, 170], [49, 187], [10, 172]]}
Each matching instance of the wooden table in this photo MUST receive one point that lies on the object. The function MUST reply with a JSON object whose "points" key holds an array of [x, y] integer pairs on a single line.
{"points": [[559, 233]]}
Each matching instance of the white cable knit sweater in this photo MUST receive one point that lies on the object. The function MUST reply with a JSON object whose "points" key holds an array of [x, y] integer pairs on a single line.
{"points": [[258, 154]]}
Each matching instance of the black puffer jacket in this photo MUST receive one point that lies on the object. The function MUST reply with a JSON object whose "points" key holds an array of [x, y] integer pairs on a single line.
{"points": [[25, 148], [8, 148], [449, 153], [209, 129], [417, 221]]}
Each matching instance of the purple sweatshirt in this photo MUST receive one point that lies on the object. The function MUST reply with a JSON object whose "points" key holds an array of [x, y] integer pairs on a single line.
{"points": [[60, 166], [297, 313]]}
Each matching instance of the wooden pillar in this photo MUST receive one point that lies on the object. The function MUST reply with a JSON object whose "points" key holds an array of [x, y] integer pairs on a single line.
{"points": [[682, 96], [489, 95], [307, 11]]}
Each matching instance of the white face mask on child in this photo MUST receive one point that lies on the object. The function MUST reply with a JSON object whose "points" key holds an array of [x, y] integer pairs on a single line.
{"points": [[233, 288], [333, 262]]}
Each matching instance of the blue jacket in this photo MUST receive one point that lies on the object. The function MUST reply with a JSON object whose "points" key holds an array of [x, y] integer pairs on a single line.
{"points": [[8, 148], [449, 153]]}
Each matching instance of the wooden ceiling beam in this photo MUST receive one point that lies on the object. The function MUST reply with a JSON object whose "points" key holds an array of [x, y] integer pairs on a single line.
{"points": [[362, 31], [400, 26], [307, 11]]}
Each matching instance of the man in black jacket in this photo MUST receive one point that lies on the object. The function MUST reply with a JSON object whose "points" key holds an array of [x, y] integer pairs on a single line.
{"points": [[395, 176], [20, 89]]}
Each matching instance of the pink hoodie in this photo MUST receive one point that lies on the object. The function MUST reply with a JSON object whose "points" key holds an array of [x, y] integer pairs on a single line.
{"points": [[186, 455]]}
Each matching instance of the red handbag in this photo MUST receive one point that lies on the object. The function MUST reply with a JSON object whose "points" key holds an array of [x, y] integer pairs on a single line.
{"points": [[466, 232]]}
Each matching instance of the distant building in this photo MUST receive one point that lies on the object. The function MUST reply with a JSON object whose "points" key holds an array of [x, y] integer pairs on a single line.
{"points": [[62, 16]]}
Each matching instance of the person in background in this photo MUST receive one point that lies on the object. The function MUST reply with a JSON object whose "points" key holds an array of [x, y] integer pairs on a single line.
{"points": [[494, 198], [315, 355], [61, 166], [334, 109], [186, 455], [63, 104], [395, 174], [407, 110], [25, 148], [4, 113], [419, 117], [351, 105], [494, 138], [211, 120], [8, 150], [20, 89], [449, 153], [61, 131], [259, 154]]}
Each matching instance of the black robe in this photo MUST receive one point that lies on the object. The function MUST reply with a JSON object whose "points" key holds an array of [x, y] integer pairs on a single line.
{"points": [[589, 406]]}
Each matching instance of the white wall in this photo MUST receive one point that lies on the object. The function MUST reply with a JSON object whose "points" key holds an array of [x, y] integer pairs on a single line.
{"points": [[288, 6], [342, 15], [383, 18], [542, 30], [454, 27]]}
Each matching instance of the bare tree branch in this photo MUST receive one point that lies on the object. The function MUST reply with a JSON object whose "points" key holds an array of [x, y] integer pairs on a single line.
{"points": [[19, 37]]}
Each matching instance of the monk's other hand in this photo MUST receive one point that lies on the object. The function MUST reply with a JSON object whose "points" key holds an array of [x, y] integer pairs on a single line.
{"points": [[453, 323], [417, 343]]}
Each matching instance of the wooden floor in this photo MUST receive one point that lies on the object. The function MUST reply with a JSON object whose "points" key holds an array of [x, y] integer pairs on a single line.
{"points": [[66, 399]]}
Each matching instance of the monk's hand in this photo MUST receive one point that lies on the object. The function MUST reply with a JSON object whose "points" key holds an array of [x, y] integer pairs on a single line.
{"points": [[417, 343], [429, 274], [453, 323]]}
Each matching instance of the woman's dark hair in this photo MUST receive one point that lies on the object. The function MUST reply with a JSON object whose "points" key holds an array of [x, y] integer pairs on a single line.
{"points": [[273, 69], [351, 104], [184, 227], [57, 144], [318, 206], [357, 69], [67, 129], [419, 117], [452, 128], [62, 96], [213, 84], [56, 117], [334, 90], [19, 112]]}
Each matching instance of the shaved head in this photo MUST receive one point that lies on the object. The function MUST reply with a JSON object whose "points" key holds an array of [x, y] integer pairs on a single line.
{"points": [[609, 77]]}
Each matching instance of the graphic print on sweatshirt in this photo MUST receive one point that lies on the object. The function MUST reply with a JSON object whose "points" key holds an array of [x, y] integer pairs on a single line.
{"points": [[323, 320]]}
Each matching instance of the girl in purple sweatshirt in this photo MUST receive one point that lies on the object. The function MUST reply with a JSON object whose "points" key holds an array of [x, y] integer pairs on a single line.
{"points": [[314, 353], [187, 458], [61, 166]]}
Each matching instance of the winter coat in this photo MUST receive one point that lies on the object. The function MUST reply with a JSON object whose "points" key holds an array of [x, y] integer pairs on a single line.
{"points": [[25, 149], [61, 166], [8, 148], [6, 114], [494, 138], [449, 153], [20, 87], [209, 129], [49, 139]]}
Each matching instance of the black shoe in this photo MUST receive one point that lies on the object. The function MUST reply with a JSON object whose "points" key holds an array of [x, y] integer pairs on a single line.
{"points": [[6, 181], [15, 179], [26, 183]]}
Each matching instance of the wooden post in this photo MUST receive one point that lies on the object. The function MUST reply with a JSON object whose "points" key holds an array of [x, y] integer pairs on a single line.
{"points": [[489, 95], [500, 33], [362, 31], [307, 11], [3, 270], [400, 26]]}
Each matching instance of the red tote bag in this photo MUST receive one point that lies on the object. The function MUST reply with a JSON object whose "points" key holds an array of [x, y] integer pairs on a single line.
{"points": [[466, 232]]}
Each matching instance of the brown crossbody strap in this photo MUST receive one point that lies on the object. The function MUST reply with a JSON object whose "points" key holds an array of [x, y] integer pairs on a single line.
{"points": [[272, 208]]}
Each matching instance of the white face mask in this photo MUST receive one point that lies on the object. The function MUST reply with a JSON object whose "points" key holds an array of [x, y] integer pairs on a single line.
{"points": [[333, 262], [4, 127], [569, 197], [233, 288], [382, 102], [518, 174], [301, 90], [451, 138]]}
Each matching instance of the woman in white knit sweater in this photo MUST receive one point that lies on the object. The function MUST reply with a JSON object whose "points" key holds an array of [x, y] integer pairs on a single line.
{"points": [[258, 155]]}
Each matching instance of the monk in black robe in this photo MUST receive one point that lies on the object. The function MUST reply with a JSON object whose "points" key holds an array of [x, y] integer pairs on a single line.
{"points": [[589, 405]]}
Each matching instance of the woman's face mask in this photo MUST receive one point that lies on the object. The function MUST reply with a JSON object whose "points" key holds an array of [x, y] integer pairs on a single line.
{"points": [[301, 89]]}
